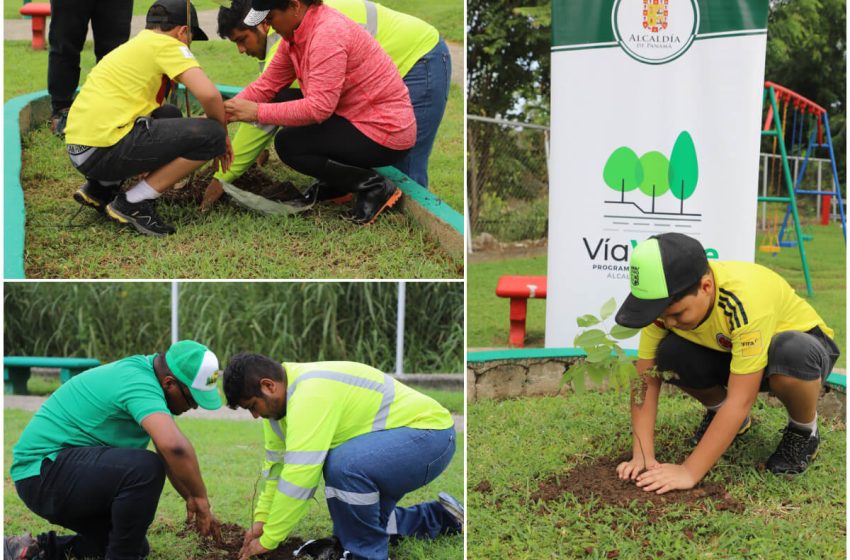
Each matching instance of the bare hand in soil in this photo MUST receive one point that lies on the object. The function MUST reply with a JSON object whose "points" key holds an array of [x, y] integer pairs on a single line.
{"points": [[262, 158], [198, 512], [252, 549], [240, 110], [631, 469], [255, 532], [665, 477], [212, 193], [223, 161]]}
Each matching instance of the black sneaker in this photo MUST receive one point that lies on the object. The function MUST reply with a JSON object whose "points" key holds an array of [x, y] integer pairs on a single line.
{"points": [[141, 215], [23, 547], [706, 420], [453, 506], [96, 195], [794, 452], [328, 548]]}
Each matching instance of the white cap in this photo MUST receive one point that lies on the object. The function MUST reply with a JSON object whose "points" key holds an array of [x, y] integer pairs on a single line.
{"points": [[255, 17]]}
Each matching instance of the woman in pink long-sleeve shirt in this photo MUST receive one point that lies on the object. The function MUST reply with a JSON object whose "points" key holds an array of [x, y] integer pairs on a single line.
{"points": [[352, 113]]}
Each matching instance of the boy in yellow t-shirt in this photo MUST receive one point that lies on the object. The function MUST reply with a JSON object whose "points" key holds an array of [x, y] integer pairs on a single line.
{"points": [[727, 330], [118, 128]]}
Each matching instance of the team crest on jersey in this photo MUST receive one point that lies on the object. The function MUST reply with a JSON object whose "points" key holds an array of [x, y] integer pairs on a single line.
{"points": [[723, 341], [655, 14]]}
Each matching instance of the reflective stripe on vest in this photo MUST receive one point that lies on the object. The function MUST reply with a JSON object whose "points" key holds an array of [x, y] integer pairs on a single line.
{"points": [[266, 476], [392, 524], [352, 498], [275, 456], [387, 390], [305, 457], [275, 424], [371, 18], [294, 491]]}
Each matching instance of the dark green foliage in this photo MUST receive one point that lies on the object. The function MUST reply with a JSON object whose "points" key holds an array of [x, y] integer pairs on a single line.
{"points": [[287, 321]]}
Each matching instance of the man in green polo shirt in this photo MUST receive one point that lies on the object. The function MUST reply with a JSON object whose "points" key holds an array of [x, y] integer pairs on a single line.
{"points": [[415, 47], [371, 437], [82, 461]]}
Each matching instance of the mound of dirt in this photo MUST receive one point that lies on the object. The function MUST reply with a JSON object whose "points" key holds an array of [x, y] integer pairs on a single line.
{"points": [[599, 480], [253, 181], [232, 541]]}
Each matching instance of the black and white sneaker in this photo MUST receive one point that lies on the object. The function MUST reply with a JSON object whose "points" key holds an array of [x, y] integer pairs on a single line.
{"points": [[328, 548], [794, 452], [96, 195], [706, 420], [454, 507], [141, 215]]}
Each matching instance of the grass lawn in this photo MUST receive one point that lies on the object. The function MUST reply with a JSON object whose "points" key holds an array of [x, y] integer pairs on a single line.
{"points": [[228, 242], [230, 454], [445, 15], [514, 450], [488, 315]]}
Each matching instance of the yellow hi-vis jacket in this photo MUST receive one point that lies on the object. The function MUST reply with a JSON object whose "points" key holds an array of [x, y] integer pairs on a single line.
{"points": [[327, 404]]}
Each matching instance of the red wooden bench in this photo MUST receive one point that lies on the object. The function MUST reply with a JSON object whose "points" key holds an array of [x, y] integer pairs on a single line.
{"points": [[520, 289], [39, 12]]}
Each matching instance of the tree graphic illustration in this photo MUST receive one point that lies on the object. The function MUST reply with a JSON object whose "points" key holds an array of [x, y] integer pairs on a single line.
{"points": [[684, 170], [623, 171], [655, 175]]}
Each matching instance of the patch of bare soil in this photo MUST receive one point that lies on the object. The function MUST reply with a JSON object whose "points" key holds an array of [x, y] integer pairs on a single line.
{"points": [[253, 181], [232, 535], [599, 480]]}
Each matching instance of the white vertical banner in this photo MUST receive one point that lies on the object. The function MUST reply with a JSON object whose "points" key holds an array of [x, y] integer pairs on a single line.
{"points": [[656, 110]]}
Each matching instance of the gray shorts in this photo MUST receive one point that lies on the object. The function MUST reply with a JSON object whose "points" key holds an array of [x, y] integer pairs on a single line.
{"points": [[803, 355]]}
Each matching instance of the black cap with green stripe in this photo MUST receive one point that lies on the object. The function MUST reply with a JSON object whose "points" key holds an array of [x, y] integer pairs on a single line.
{"points": [[660, 268]]}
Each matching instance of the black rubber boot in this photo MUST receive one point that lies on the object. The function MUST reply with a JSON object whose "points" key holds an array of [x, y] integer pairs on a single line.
{"points": [[321, 192], [373, 193]]}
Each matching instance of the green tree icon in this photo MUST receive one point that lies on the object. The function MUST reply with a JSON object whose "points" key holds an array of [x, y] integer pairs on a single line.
{"points": [[684, 170], [623, 171], [655, 175]]}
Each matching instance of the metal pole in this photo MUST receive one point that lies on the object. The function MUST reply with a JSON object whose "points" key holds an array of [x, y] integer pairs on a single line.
{"points": [[764, 193], [175, 315], [399, 337]]}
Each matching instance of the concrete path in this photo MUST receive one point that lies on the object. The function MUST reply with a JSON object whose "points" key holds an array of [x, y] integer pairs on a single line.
{"points": [[32, 404], [21, 30]]}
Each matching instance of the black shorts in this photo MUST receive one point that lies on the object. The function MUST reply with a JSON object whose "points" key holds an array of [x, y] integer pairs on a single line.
{"points": [[803, 355], [154, 142]]}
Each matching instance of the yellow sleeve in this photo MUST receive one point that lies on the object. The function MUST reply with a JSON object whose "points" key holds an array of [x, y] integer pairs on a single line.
{"points": [[650, 337], [174, 58], [311, 418], [274, 451], [248, 142]]}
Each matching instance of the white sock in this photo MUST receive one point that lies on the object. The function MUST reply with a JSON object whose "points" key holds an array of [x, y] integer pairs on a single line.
{"points": [[142, 191], [716, 407], [811, 427]]}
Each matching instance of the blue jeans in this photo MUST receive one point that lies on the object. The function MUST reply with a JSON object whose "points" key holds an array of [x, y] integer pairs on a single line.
{"points": [[428, 84], [366, 476]]}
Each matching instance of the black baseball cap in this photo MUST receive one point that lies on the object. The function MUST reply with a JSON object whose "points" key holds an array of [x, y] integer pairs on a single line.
{"points": [[176, 15], [660, 268]]}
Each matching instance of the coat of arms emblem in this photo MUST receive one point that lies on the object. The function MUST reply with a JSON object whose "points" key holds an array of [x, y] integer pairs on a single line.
{"points": [[655, 15]]}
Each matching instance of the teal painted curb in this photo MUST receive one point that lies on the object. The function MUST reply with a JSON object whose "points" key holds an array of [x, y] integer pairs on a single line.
{"points": [[837, 380], [425, 198], [529, 354], [14, 215]]}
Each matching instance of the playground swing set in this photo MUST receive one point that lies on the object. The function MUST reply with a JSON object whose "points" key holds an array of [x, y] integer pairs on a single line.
{"points": [[806, 116]]}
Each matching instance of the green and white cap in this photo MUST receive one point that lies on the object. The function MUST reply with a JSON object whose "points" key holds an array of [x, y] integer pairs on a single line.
{"points": [[660, 268], [197, 368]]}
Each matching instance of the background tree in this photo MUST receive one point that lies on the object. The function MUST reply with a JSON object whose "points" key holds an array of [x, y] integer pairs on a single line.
{"points": [[684, 169], [807, 52], [655, 175], [623, 171], [507, 77]]}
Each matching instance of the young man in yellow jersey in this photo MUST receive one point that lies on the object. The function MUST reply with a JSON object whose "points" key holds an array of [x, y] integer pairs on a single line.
{"points": [[728, 330], [415, 47], [117, 127], [371, 437]]}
